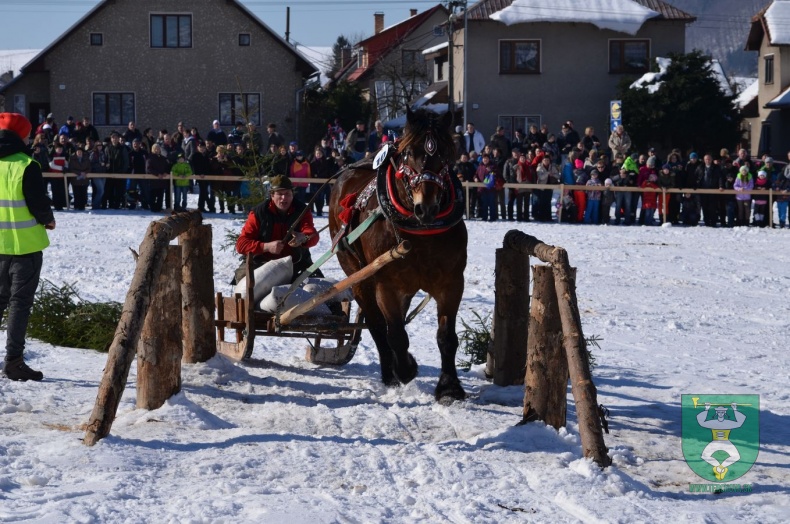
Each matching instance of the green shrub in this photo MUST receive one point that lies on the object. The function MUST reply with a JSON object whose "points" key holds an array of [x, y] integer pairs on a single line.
{"points": [[60, 317]]}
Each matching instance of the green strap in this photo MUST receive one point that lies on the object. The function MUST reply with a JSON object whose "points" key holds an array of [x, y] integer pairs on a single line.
{"points": [[352, 237]]}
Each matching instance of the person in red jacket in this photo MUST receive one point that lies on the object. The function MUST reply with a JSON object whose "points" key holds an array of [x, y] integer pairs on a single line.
{"points": [[264, 234]]}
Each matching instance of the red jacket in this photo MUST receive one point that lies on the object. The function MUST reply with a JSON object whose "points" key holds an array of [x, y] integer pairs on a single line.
{"points": [[251, 239]]}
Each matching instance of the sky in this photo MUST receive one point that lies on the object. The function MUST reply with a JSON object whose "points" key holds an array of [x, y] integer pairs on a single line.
{"points": [[275, 439], [34, 24]]}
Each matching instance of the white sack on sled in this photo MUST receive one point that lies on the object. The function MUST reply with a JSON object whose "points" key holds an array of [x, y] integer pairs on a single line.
{"points": [[269, 303], [319, 285], [272, 273]]}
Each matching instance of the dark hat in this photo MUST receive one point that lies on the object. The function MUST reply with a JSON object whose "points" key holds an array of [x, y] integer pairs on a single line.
{"points": [[693, 155], [666, 166], [239, 123], [280, 182], [360, 122], [69, 117], [17, 123], [136, 141], [300, 153], [293, 144]]}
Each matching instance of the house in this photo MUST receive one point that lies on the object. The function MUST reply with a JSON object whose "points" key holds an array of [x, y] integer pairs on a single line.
{"points": [[390, 66], [768, 118], [158, 63], [548, 61]]}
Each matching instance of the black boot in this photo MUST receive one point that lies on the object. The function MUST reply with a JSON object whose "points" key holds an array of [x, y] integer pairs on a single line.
{"points": [[16, 369]]}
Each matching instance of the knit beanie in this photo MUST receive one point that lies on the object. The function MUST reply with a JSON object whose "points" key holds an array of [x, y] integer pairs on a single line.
{"points": [[16, 123]]}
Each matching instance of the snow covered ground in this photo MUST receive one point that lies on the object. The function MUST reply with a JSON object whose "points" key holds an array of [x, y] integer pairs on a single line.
{"points": [[276, 439]]}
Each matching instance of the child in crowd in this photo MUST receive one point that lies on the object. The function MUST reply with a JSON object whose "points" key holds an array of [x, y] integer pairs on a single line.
{"points": [[181, 171], [580, 178], [761, 186], [593, 199], [650, 199], [743, 182], [607, 199]]}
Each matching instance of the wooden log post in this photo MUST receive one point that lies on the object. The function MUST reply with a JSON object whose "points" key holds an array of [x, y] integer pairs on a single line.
{"points": [[197, 294], [546, 379], [585, 395], [127, 334], [511, 316], [160, 347]]}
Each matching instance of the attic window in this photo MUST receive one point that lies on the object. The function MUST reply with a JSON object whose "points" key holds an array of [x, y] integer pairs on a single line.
{"points": [[519, 57], [629, 56], [171, 31], [244, 39], [97, 39]]}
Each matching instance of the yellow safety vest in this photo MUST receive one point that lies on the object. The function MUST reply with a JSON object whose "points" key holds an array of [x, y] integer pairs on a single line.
{"points": [[20, 233]]}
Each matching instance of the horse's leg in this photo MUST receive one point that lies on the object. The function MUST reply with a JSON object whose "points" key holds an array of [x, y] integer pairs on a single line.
{"points": [[447, 302], [391, 303], [377, 326]]}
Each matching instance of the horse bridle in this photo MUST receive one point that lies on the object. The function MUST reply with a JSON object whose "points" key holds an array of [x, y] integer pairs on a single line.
{"points": [[414, 179]]}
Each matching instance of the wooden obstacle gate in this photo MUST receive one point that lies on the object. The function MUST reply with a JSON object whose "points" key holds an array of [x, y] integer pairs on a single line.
{"points": [[542, 343], [167, 318]]}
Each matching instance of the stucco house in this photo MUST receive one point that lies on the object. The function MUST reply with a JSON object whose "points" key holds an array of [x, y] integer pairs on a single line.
{"points": [[158, 63], [548, 61], [768, 116], [390, 66]]}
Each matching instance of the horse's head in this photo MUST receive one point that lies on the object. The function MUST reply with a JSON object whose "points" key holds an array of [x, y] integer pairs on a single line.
{"points": [[427, 152]]}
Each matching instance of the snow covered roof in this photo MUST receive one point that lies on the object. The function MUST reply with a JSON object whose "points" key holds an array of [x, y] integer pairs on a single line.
{"points": [[14, 59], [652, 81], [435, 48], [320, 57], [749, 88], [623, 16], [780, 102], [776, 19]]}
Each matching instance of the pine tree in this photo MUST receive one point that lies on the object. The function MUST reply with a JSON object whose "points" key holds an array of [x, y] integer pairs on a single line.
{"points": [[689, 110]]}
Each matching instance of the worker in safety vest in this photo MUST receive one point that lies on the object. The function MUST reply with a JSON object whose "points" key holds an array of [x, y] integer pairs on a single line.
{"points": [[25, 215]]}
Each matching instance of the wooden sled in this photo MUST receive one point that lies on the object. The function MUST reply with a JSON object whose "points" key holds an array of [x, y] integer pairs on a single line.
{"points": [[238, 319]]}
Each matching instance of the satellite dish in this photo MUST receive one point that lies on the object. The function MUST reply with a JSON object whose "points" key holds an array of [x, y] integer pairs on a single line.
{"points": [[438, 30]]}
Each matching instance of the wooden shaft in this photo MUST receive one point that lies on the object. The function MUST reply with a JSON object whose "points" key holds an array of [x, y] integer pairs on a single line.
{"points": [[395, 253]]}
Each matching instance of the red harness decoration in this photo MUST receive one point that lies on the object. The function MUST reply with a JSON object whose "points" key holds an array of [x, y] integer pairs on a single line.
{"points": [[347, 204]]}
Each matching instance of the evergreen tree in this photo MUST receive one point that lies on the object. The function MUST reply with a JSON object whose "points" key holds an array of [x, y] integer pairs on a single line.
{"points": [[344, 101], [689, 110]]}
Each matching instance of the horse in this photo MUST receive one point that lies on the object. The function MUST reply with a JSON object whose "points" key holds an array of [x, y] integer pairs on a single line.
{"points": [[423, 203]]}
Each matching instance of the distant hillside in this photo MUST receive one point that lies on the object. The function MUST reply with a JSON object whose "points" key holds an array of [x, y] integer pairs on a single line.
{"points": [[721, 30]]}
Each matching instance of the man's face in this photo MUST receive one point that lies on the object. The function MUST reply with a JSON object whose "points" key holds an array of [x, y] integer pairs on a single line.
{"points": [[282, 199], [708, 160], [470, 128], [114, 140], [136, 146], [379, 128], [86, 121], [131, 126]]}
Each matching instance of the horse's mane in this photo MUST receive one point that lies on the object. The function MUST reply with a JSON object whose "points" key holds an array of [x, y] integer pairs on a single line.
{"points": [[422, 122]]}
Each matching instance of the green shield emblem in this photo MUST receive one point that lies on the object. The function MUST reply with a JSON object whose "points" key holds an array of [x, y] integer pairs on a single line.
{"points": [[720, 434]]}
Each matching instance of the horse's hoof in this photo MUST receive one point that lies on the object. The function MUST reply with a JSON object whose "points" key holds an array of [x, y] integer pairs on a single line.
{"points": [[407, 371], [448, 390]]}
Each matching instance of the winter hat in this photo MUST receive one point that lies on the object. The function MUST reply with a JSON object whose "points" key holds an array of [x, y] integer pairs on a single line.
{"points": [[693, 155], [667, 167], [280, 182], [762, 174], [594, 173], [16, 123], [607, 182], [769, 160], [578, 164], [744, 169], [651, 162]]}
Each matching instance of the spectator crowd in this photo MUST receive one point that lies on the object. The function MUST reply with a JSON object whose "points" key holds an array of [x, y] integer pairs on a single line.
{"points": [[535, 157]]}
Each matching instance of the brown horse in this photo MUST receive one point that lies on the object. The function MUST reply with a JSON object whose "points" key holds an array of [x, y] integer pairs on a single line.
{"points": [[423, 203]]}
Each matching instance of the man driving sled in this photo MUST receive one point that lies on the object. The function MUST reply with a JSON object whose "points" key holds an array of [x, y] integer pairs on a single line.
{"points": [[263, 235]]}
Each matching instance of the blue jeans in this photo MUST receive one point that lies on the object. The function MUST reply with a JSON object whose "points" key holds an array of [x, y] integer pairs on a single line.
{"points": [[19, 276], [98, 192], [180, 201], [782, 208], [649, 213]]}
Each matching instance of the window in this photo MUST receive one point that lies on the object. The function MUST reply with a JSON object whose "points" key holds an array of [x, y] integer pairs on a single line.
{"points": [[239, 106], [412, 63], [97, 39], [629, 56], [244, 39], [19, 104], [519, 57], [440, 63], [769, 69], [513, 122], [113, 109], [171, 31]]}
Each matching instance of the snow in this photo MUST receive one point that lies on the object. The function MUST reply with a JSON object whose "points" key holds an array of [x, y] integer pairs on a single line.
{"points": [[781, 101], [320, 57], [14, 59], [276, 439], [623, 16], [776, 17], [748, 89], [435, 48], [652, 81]]}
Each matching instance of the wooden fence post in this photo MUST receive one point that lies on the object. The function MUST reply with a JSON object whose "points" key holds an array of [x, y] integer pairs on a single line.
{"points": [[127, 334], [546, 380], [511, 316], [160, 346], [197, 294]]}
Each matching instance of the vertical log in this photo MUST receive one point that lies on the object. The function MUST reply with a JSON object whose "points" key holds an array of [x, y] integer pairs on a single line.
{"points": [[160, 347], [197, 294], [511, 316], [546, 380]]}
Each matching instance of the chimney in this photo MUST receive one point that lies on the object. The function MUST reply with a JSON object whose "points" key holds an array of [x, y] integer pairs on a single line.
{"points": [[345, 56], [412, 12], [378, 23]]}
